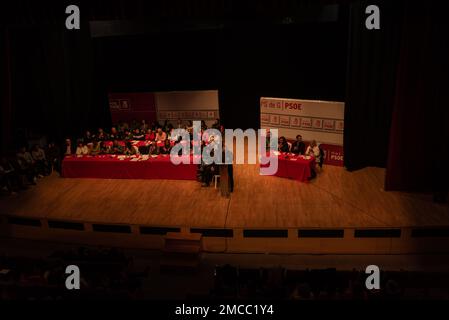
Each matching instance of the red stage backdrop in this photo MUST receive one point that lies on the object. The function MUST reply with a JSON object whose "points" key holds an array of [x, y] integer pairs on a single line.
{"points": [[128, 106]]}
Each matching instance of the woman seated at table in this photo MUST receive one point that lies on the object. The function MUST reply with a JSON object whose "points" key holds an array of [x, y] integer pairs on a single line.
{"points": [[131, 150], [81, 149], [283, 145]]}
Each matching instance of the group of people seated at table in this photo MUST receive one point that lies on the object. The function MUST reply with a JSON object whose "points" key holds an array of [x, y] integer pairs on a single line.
{"points": [[157, 139], [298, 147]]}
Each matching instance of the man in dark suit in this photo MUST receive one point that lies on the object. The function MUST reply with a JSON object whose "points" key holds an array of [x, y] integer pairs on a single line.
{"points": [[298, 146]]}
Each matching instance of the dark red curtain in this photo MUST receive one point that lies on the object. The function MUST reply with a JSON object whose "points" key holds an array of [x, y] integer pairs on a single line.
{"points": [[419, 136], [5, 92], [370, 83]]}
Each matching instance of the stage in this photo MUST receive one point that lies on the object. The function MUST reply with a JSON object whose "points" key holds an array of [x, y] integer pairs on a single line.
{"points": [[335, 200]]}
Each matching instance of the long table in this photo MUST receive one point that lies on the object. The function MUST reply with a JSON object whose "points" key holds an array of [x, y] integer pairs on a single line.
{"points": [[294, 167], [121, 167]]}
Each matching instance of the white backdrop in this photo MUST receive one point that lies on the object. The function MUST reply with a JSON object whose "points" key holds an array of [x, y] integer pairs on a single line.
{"points": [[322, 121]]}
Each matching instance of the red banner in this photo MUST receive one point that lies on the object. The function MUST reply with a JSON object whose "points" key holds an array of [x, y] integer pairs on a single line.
{"points": [[333, 154]]}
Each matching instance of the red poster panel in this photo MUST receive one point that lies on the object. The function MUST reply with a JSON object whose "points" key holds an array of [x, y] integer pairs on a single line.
{"points": [[128, 106], [333, 154]]}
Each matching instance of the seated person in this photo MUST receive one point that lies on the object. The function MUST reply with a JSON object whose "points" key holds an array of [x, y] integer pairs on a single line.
{"points": [[68, 147], [103, 148], [150, 135], [137, 135], [42, 165], [283, 145], [313, 150], [81, 149], [102, 136], [143, 126], [88, 137], [161, 136], [169, 131], [96, 148], [131, 150], [8, 178], [114, 134], [25, 165], [52, 153], [116, 148], [166, 148], [298, 146], [127, 135], [25, 157]]}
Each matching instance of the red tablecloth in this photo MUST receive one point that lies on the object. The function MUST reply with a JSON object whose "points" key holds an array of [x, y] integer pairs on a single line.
{"points": [[108, 167], [294, 167]]}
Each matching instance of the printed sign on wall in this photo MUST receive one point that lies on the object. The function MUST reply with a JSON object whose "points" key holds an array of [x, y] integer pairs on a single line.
{"points": [[322, 121]]}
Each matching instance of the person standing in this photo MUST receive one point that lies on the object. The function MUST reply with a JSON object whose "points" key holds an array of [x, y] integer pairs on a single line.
{"points": [[226, 173]]}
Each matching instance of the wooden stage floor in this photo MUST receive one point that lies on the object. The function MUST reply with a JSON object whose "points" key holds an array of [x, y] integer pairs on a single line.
{"points": [[337, 198]]}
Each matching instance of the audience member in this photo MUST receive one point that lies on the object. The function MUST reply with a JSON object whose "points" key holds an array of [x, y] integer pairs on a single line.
{"points": [[68, 147], [25, 165], [53, 157], [42, 165], [8, 178]]}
